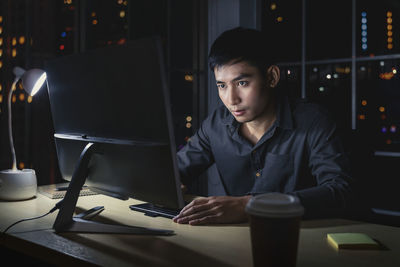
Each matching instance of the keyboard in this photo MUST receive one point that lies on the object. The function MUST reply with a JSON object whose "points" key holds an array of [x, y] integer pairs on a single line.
{"points": [[53, 191], [154, 211]]}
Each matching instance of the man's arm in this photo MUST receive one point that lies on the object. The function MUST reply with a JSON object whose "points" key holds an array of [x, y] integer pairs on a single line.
{"points": [[196, 156], [193, 159], [330, 166]]}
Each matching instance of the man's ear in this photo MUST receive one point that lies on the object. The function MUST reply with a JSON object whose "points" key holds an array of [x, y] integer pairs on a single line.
{"points": [[273, 75]]}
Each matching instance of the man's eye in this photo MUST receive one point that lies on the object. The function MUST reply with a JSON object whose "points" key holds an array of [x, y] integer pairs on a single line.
{"points": [[243, 83], [221, 86]]}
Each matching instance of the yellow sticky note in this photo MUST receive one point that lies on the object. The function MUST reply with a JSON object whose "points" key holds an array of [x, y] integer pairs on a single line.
{"points": [[352, 241]]}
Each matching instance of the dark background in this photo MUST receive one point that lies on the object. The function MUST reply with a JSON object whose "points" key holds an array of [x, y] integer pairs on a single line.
{"points": [[322, 58]]}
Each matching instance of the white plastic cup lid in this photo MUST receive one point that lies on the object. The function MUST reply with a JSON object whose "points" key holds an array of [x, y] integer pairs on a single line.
{"points": [[275, 205]]}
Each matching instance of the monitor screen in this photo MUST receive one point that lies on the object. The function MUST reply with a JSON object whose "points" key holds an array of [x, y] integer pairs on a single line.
{"points": [[117, 98]]}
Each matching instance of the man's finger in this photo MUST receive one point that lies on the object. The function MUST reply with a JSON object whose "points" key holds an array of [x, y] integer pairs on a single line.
{"points": [[186, 210], [196, 209], [183, 217], [193, 203], [197, 215]]}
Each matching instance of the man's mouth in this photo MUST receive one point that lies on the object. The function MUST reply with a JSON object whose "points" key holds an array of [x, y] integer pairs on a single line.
{"points": [[239, 112]]}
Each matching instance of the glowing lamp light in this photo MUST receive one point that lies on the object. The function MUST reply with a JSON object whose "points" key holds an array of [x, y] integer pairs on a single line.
{"points": [[188, 78], [384, 130], [21, 40], [20, 184], [386, 75], [364, 45], [34, 81]]}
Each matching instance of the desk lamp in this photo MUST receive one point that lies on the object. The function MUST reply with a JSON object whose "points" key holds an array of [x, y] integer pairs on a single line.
{"points": [[20, 184]]}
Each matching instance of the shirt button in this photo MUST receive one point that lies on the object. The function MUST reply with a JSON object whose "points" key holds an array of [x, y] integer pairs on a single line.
{"points": [[258, 174]]}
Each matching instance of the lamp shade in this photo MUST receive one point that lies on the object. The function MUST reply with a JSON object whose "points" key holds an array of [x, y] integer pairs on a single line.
{"points": [[32, 80]]}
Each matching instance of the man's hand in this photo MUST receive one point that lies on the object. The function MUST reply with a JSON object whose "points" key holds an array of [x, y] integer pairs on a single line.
{"points": [[222, 209]]}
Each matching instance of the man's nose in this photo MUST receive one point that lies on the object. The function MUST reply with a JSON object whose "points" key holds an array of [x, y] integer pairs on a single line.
{"points": [[233, 97]]}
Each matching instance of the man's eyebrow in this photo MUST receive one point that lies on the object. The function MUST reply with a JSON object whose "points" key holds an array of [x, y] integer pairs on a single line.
{"points": [[241, 76]]}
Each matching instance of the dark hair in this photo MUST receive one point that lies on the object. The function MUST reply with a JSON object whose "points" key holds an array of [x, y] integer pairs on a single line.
{"points": [[241, 44]]}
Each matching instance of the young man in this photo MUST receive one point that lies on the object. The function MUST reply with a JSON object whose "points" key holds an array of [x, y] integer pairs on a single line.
{"points": [[260, 140]]}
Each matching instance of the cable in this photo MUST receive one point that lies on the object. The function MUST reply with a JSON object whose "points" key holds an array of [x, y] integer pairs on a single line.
{"points": [[57, 206]]}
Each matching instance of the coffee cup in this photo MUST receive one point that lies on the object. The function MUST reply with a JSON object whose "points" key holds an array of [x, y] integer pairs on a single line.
{"points": [[274, 228]]}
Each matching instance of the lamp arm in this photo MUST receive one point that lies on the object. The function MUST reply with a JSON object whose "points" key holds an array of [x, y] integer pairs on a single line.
{"points": [[10, 134]]}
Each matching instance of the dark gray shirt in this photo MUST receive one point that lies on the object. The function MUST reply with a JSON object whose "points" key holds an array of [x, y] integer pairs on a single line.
{"points": [[300, 154]]}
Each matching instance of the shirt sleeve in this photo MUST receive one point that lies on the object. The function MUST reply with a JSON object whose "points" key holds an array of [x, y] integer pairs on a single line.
{"points": [[329, 164], [196, 156]]}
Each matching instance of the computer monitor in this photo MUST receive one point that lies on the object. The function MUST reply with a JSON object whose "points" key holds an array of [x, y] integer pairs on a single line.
{"points": [[116, 99]]}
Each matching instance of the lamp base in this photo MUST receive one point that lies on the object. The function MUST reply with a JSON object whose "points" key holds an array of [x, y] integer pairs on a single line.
{"points": [[17, 184]]}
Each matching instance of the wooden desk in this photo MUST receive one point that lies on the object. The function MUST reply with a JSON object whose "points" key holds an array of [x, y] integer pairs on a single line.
{"points": [[222, 245]]}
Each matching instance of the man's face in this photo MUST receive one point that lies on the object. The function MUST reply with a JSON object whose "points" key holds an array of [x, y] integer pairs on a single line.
{"points": [[243, 90]]}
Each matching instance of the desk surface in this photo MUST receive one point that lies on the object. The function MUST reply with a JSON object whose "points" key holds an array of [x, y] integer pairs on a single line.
{"points": [[221, 245]]}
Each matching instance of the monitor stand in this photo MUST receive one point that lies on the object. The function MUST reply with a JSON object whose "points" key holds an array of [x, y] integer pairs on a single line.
{"points": [[66, 222]]}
